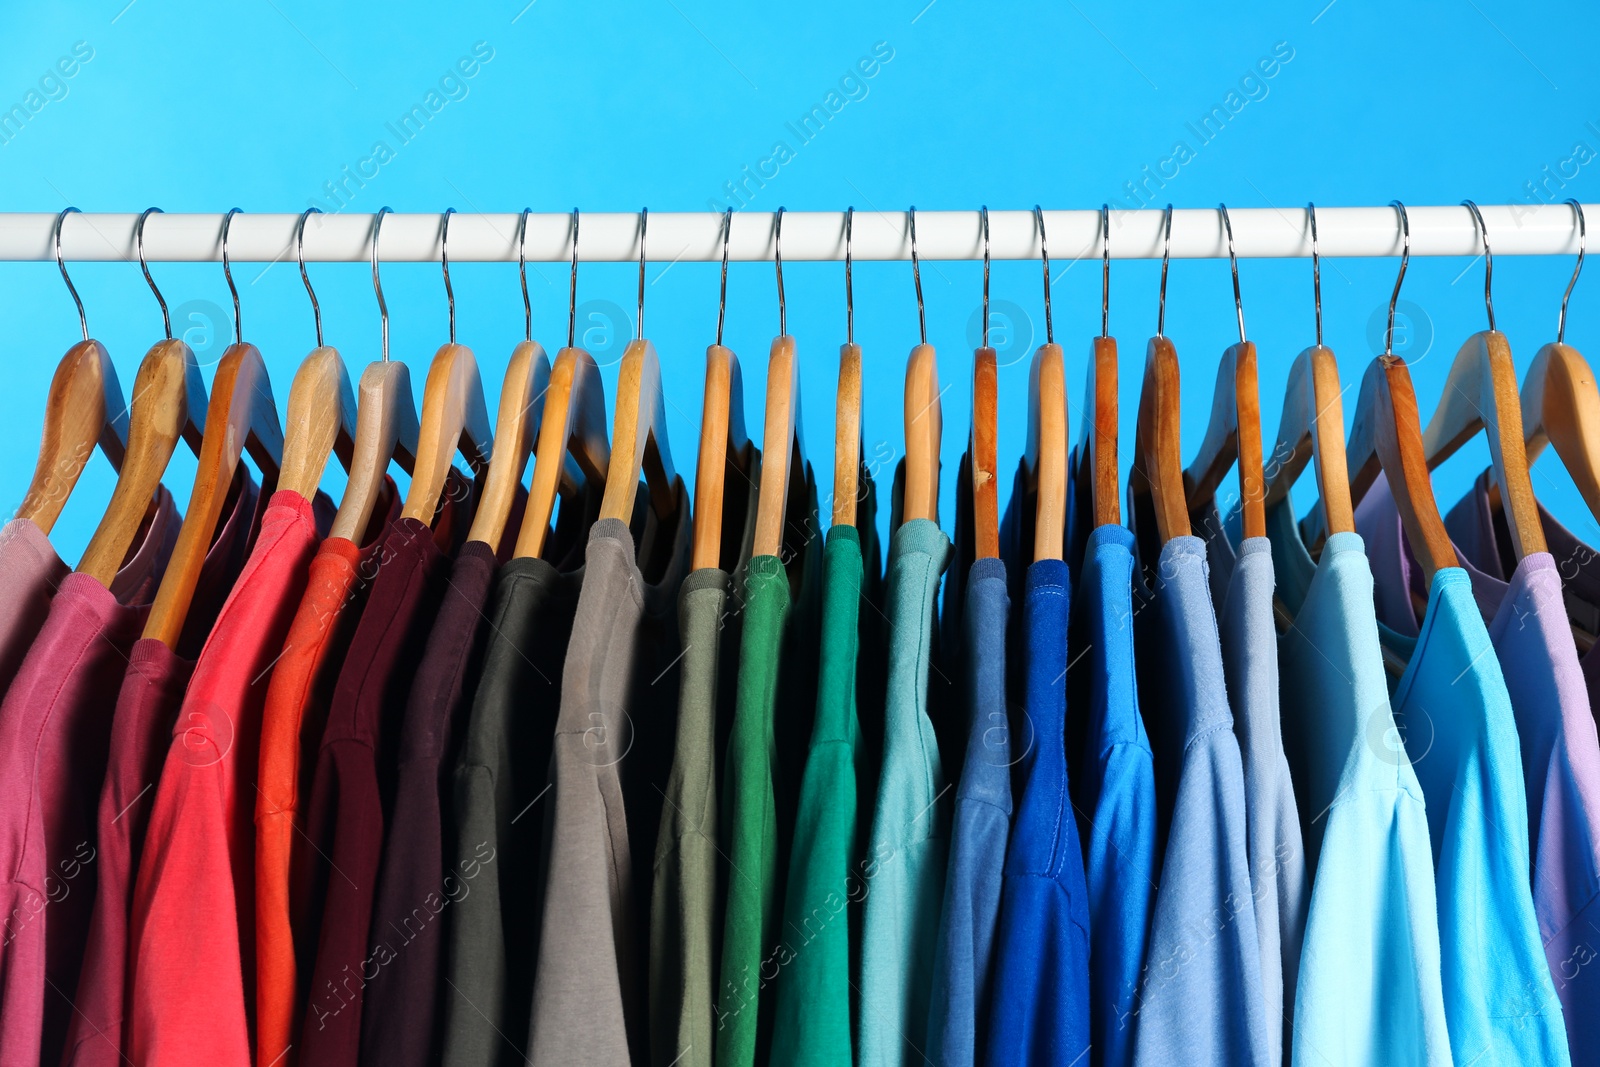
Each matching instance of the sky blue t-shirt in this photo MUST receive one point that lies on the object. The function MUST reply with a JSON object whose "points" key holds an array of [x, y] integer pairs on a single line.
{"points": [[1201, 1000], [1040, 1006], [1369, 989], [1113, 789]]}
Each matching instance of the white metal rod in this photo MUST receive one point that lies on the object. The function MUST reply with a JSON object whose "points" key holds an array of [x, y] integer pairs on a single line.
{"points": [[1514, 229]]}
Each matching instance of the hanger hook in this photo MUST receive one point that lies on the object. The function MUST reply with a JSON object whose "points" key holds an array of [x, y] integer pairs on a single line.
{"points": [[377, 283], [777, 257], [138, 243], [522, 272], [722, 293], [1233, 263], [227, 272], [572, 287], [644, 220], [983, 215], [83, 320], [444, 262], [1405, 258], [849, 294], [1044, 256], [1561, 323], [1316, 268], [1105, 272], [1488, 261], [916, 272], [1166, 254], [300, 254]]}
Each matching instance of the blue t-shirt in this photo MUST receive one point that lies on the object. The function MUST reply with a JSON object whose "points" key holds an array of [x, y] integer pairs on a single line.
{"points": [[1113, 789], [1040, 1008], [959, 1006], [1201, 999]]}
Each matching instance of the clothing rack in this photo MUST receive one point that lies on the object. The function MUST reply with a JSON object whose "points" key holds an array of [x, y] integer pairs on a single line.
{"points": [[1197, 233]]}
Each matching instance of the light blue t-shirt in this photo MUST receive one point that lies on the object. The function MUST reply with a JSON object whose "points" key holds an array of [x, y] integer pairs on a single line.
{"points": [[1369, 990]]}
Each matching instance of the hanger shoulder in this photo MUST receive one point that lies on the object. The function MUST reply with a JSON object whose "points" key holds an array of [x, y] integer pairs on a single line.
{"points": [[239, 393], [1561, 407], [924, 428], [169, 404], [522, 400], [1097, 447], [454, 419], [1391, 406], [573, 429], [1312, 428], [84, 408], [1233, 434], [321, 421], [847, 437], [639, 437], [985, 453], [1159, 469], [1481, 392], [781, 448], [722, 441], [386, 429], [1046, 450]]}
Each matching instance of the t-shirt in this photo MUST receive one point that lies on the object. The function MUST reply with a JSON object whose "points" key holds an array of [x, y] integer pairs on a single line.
{"points": [[1278, 881], [1040, 1006], [777, 694], [141, 729], [55, 728], [619, 693], [292, 721], [494, 885], [1200, 998], [1369, 989], [352, 791], [1453, 709], [909, 849], [1113, 788], [1560, 752], [687, 886], [194, 901]]}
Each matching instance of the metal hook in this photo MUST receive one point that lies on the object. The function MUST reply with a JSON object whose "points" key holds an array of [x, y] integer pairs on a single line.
{"points": [[1316, 269], [1488, 261], [300, 253], [1044, 255], [722, 294], [1105, 271], [1233, 262], [444, 262], [572, 287], [1561, 323], [777, 257], [849, 294], [522, 272], [227, 272], [377, 284], [1405, 258], [644, 220], [916, 272], [138, 243], [1166, 254], [983, 215], [83, 319]]}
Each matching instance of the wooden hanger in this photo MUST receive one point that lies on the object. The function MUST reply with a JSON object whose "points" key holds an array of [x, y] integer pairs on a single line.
{"points": [[84, 409], [572, 433], [782, 443], [386, 423], [924, 414], [722, 434], [1045, 451], [1233, 431], [1158, 466], [169, 402], [1480, 393], [454, 415], [639, 434], [847, 404], [240, 415], [983, 445], [1312, 424], [1097, 442], [322, 408]]}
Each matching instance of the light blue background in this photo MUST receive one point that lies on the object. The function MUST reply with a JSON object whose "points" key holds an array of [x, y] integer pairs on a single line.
{"points": [[201, 107]]}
